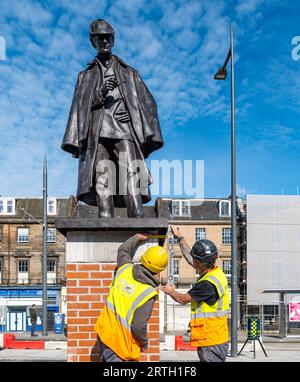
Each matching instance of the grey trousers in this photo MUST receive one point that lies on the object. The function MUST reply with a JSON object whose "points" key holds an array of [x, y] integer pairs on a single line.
{"points": [[107, 354], [216, 353], [109, 150]]}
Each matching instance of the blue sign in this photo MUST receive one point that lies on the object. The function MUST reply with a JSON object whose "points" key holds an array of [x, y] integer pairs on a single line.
{"points": [[58, 323], [26, 293]]}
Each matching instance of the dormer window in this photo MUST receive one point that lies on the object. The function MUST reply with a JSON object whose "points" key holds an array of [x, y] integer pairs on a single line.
{"points": [[224, 208], [51, 206], [181, 208], [7, 206]]}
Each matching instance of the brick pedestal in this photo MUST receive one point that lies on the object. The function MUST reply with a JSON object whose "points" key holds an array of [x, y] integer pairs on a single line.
{"points": [[91, 261]]}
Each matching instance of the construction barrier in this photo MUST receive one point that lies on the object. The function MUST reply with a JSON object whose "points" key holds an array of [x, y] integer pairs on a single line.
{"points": [[183, 345], [10, 342]]}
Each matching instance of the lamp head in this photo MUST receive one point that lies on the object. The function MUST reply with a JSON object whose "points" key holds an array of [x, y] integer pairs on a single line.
{"points": [[221, 74]]}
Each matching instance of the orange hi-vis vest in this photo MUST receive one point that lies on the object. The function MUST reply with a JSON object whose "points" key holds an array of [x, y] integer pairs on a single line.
{"points": [[209, 323], [113, 325]]}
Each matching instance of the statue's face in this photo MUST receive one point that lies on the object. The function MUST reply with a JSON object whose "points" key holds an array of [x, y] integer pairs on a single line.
{"points": [[104, 43]]}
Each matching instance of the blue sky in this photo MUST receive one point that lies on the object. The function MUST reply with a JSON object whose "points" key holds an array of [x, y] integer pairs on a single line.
{"points": [[176, 46]]}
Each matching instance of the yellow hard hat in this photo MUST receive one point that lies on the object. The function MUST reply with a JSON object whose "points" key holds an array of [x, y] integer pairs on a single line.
{"points": [[155, 259]]}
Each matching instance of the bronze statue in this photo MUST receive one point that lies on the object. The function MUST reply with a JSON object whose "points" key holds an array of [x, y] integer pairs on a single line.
{"points": [[112, 113]]}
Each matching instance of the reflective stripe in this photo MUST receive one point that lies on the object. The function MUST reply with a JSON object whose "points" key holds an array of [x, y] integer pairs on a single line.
{"points": [[136, 302], [208, 314], [118, 317], [220, 303], [217, 282], [120, 271]]}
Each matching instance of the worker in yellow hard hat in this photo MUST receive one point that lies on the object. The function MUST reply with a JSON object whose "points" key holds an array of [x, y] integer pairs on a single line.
{"points": [[122, 324]]}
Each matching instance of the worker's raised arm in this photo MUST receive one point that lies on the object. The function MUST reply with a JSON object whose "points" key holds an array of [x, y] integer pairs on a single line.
{"points": [[184, 247], [126, 250]]}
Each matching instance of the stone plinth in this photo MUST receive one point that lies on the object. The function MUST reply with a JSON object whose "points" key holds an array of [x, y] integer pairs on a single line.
{"points": [[91, 254]]}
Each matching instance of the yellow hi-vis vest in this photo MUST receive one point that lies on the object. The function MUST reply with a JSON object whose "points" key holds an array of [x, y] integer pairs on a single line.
{"points": [[209, 323], [113, 325]]}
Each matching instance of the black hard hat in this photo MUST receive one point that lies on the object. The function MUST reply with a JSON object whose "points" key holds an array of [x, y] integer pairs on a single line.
{"points": [[101, 27], [205, 251]]}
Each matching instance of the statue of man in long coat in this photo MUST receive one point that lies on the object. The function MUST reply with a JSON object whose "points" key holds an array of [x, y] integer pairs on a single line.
{"points": [[113, 120]]}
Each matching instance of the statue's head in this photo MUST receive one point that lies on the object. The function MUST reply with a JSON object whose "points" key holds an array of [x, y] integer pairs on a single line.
{"points": [[102, 36]]}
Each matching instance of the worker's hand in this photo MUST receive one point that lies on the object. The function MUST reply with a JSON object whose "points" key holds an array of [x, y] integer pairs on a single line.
{"points": [[143, 236], [176, 232], [167, 288]]}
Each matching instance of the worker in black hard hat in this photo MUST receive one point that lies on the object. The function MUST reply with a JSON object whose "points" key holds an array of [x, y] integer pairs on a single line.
{"points": [[209, 300]]}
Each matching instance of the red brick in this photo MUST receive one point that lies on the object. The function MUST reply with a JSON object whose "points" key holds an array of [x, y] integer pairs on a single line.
{"points": [[90, 297], [77, 275], [78, 305], [71, 267], [152, 334], [96, 305], [72, 358], [77, 290], [102, 275], [78, 336], [153, 327], [89, 282], [96, 290], [80, 321], [87, 328], [89, 343], [84, 358], [93, 320], [88, 313], [72, 343], [153, 342], [71, 283], [108, 267], [88, 267], [71, 297], [154, 358], [106, 282], [72, 328], [72, 313], [79, 350]]}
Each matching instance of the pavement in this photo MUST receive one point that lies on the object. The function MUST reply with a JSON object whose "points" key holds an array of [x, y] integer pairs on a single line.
{"points": [[277, 349], [276, 352]]}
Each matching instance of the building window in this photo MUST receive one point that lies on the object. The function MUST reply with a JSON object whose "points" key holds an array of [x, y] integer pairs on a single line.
{"points": [[224, 208], [23, 272], [51, 206], [7, 206], [176, 271], [51, 265], [1, 269], [51, 235], [23, 235], [227, 269], [200, 234], [226, 235], [51, 271], [181, 208]]}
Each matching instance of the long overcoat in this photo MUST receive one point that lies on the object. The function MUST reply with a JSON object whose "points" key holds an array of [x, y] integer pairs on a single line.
{"points": [[82, 143]]}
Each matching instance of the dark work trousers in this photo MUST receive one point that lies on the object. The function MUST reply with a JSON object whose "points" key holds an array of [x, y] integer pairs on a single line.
{"points": [[33, 325], [216, 353], [107, 355], [107, 177]]}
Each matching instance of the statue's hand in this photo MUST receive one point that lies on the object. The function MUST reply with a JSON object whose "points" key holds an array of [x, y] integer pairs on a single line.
{"points": [[108, 85], [122, 116]]}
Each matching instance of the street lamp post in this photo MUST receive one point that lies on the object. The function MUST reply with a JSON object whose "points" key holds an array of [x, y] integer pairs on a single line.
{"points": [[221, 75], [45, 229]]}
